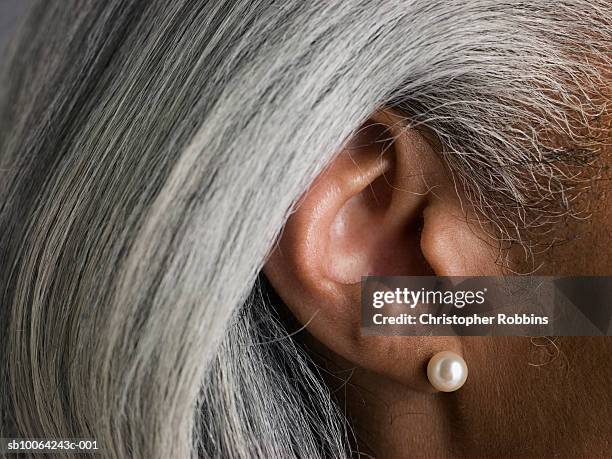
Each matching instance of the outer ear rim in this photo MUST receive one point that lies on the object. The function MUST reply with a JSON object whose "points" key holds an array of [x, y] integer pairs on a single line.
{"points": [[329, 309]]}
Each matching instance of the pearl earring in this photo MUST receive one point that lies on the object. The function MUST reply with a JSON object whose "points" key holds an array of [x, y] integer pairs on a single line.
{"points": [[447, 371]]}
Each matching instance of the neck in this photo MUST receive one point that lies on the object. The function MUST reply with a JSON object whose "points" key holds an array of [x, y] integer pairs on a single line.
{"points": [[521, 399], [391, 420]]}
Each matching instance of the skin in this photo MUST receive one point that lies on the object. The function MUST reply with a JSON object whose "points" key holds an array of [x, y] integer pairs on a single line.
{"points": [[508, 407], [524, 397]]}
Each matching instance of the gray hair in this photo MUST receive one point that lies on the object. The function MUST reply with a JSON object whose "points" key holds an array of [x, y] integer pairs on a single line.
{"points": [[151, 152]]}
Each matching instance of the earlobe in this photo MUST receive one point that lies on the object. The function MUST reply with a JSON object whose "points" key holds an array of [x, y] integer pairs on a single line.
{"points": [[385, 206]]}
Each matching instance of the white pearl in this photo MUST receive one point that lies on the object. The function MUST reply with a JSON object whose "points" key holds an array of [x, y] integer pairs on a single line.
{"points": [[447, 371]]}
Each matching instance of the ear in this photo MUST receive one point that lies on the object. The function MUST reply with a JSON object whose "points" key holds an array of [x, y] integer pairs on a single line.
{"points": [[385, 206]]}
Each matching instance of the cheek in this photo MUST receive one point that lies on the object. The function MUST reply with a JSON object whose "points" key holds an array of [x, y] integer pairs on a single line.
{"points": [[584, 248], [591, 251], [599, 253], [584, 245]]}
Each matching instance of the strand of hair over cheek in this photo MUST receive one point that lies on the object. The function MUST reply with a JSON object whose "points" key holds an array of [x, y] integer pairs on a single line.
{"points": [[151, 152], [522, 122]]}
